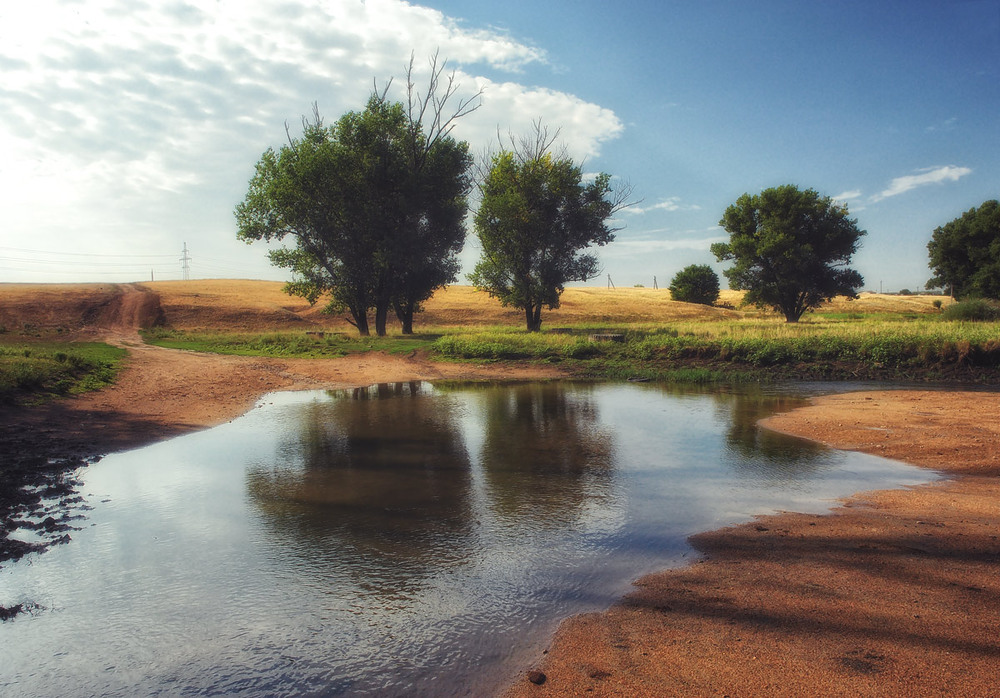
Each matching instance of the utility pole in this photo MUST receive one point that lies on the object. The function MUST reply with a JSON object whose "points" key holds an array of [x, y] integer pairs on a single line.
{"points": [[610, 282], [654, 283], [185, 268]]}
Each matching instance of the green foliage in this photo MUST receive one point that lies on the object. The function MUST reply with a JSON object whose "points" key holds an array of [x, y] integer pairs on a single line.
{"points": [[535, 219], [791, 249], [696, 283], [376, 207], [965, 253], [44, 369], [973, 310]]}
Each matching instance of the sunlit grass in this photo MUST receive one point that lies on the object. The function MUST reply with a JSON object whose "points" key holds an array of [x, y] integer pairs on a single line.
{"points": [[49, 369], [288, 344]]}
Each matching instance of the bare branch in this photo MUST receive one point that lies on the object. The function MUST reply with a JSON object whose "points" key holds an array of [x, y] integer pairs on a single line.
{"points": [[429, 110]]}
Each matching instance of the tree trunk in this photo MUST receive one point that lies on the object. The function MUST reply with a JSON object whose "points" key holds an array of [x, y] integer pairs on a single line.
{"points": [[381, 316], [533, 317], [361, 322], [404, 313]]}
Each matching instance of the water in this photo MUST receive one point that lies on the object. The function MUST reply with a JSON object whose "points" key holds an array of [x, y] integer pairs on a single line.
{"points": [[405, 539]]}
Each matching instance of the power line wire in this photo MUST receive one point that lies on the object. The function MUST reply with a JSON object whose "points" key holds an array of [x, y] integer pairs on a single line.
{"points": [[88, 254]]}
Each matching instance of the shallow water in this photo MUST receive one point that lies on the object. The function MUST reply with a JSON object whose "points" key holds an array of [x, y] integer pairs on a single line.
{"points": [[405, 539]]}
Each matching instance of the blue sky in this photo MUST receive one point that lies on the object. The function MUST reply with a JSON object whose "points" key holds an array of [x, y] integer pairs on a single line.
{"points": [[130, 128]]}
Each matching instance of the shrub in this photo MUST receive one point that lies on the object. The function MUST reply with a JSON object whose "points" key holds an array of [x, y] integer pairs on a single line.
{"points": [[696, 283], [973, 310]]}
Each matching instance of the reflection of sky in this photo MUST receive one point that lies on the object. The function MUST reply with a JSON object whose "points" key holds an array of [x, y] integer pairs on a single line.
{"points": [[196, 582]]}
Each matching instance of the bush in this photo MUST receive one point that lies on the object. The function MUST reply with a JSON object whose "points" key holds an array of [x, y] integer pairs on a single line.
{"points": [[973, 310], [696, 283]]}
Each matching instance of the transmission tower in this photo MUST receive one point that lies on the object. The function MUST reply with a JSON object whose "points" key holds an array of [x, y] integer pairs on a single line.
{"points": [[185, 268]]}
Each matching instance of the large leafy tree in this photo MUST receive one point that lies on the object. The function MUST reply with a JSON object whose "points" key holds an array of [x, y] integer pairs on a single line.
{"points": [[536, 218], [791, 249], [375, 204], [965, 253]]}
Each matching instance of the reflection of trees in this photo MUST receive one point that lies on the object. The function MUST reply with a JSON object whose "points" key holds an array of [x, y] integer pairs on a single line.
{"points": [[545, 454], [377, 477], [743, 435], [763, 452]]}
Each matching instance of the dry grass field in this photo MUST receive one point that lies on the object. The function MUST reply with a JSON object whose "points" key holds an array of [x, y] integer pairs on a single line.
{"points": [[253, 306]]}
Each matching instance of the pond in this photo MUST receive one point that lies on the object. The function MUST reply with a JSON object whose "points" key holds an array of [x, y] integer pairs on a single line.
{"points": [[405, 539]]}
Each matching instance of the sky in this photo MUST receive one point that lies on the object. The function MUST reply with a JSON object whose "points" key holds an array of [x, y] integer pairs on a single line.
{"points": [[129, 129]]}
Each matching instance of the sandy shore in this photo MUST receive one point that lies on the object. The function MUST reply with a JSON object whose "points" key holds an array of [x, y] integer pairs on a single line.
{"points": [[894, 593]]}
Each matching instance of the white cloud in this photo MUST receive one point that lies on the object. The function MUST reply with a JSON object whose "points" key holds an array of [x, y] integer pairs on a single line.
{"points": [[672, 203], [128, 124], [638, 246], [946, 125], [939, 175], [848, 195]]}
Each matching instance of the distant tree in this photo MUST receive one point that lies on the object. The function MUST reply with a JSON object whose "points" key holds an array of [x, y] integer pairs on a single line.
{"points": [[965, 253], [696, 283], [376, 204], [535, 219], [791, 249]]}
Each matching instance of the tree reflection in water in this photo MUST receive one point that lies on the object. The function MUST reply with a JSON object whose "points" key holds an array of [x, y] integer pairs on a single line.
{"points": [[546, 454], [382, 470]]}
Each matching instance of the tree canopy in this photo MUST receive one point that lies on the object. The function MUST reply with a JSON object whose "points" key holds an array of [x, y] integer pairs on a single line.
{"points": [[695, 283], [791, 249], [375, 204], [965, 253], [536, 218]]}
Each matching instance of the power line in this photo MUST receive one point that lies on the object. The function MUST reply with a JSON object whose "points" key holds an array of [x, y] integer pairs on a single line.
{"points": [[87, 254]]}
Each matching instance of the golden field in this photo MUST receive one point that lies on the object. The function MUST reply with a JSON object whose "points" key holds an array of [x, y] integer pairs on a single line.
{"points": [[249, 306]]}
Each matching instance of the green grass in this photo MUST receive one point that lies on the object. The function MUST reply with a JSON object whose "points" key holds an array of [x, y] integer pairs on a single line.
{"points": [[31, 371], [286, 344], [755, 349]]}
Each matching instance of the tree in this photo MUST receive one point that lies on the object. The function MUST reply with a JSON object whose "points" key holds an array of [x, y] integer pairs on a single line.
{"points": [[791, 249], [965, 253], [696, 283], [535, 218], [376, 203], [325, 190]]}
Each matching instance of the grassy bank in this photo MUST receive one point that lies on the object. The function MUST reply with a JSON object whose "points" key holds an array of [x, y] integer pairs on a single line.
{"points": [[833, 346], [287, 344], [36, 370]]}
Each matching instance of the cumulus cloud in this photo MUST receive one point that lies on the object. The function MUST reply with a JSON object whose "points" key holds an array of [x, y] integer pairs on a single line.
{"points": [[938, 175], [149, 116]]}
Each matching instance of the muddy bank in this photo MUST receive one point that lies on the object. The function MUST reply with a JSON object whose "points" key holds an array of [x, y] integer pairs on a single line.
{"points": [[894, 593]]}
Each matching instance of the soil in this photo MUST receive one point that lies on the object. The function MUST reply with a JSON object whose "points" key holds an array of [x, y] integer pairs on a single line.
{"points": [[893, 593]]}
